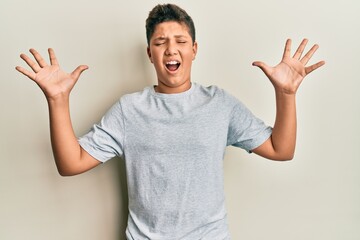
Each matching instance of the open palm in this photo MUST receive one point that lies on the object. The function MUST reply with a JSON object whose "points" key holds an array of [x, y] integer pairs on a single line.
{"points": [[51, 79], [290, 72]]}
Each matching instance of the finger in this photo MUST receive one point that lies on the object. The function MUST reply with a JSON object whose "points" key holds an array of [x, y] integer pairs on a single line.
{"points": [[77, 72], [53, 59], [309, 54], [300, 49], [314, 67], [34, 66], [287, 49], [27, 73], [265, 68], [38, 58]]}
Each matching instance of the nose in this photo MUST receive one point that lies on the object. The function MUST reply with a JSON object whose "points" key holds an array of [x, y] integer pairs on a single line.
{"points": [[170, 49]]}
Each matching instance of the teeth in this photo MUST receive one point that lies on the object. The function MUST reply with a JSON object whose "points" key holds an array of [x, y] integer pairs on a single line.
{"points": [[172, 62]]}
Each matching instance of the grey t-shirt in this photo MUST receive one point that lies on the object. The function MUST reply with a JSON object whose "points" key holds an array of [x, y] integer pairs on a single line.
{"points": [[173, 146]]}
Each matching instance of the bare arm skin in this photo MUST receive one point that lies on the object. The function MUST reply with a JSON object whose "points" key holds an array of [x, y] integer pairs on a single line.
{"points": [[286, 78], [56, 84]]}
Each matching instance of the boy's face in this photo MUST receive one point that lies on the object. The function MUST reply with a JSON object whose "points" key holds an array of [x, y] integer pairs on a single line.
{"points": [[172, 51]]}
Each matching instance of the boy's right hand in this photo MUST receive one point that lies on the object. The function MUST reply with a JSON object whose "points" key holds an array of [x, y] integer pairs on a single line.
{"points": [[53, 81]]}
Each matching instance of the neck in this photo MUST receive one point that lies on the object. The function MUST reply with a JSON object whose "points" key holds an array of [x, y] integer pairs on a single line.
{"points": [[162, 88]]}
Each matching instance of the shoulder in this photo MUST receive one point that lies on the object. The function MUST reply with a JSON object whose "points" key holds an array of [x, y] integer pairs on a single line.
{"points": [[124, 102], [135, 97], [220, 94], [212, 93], [211, 90]]}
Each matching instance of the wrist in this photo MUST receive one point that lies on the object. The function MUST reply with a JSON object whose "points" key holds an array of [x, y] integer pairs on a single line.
{"points": [[59, 99], [286, 93], [284, 99]]}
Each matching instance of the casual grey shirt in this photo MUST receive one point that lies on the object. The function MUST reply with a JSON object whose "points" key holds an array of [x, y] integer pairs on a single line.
{"points": [[173, 146]]}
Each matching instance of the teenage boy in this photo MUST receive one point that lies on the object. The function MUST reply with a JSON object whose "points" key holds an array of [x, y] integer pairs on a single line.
{"points": [[172, 136]]}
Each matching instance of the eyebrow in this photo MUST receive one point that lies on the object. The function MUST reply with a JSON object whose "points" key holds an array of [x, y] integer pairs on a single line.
{"points": [[176, 36], [180, 36], [160, 38]]}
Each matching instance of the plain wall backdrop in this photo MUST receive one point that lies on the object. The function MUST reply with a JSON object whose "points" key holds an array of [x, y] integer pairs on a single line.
{"points": [[315, 196]]}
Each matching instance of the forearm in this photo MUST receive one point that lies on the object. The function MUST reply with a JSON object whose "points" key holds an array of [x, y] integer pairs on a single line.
{"points": [[284, 131], [66, 149]]}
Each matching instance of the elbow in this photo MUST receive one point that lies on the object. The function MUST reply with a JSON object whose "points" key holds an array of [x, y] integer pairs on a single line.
{"points": [[68, 168], [290, 156], [70, 171], [64, 172], [285, 154], [285, 157]]}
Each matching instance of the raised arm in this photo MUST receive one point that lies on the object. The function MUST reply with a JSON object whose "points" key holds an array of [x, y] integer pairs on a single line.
{"points": [[286, 78], [56, 84]]}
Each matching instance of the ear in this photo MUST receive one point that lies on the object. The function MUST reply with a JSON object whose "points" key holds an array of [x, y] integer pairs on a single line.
{"points": [[149, 54], [195, 47]]}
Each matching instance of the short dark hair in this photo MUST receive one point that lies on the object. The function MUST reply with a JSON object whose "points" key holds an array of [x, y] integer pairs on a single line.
{"points": [[166, 13]]}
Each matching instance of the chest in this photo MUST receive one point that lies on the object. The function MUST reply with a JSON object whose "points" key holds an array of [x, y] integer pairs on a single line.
{"points": [[158, 132]]}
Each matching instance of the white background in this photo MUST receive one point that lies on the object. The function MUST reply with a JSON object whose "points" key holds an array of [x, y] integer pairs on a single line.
{"points": [[315, 196]]}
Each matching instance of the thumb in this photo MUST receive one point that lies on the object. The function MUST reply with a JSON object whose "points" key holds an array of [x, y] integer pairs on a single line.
{"points": [[77, 72], [265, 68]]}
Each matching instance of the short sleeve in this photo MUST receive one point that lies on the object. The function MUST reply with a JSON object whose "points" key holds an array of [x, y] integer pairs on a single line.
{"points": [[105, 139], [246, 130]]}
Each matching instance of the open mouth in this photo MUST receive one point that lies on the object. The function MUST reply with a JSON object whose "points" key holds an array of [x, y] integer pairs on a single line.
{"points": [[172, 65]]}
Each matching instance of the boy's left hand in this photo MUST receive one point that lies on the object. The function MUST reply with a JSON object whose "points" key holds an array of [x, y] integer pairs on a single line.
{"points": [[289, 73]]}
